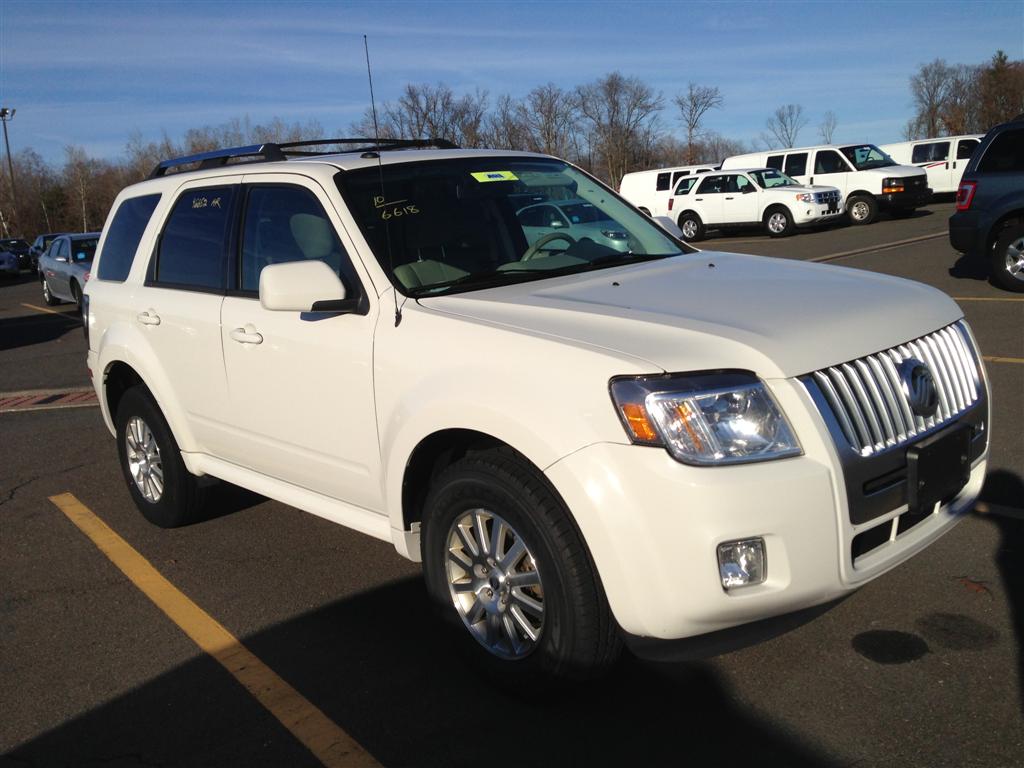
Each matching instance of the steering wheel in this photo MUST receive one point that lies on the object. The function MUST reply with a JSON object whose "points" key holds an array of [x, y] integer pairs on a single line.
{"points": [[534, 250]]}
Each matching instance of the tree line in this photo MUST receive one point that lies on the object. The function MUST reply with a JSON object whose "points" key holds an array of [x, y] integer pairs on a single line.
{"points": [[611, 126]]}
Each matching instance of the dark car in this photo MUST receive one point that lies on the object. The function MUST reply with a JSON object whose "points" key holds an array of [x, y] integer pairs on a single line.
{"points": [[20, 248], [989, 219], [39, 246]]}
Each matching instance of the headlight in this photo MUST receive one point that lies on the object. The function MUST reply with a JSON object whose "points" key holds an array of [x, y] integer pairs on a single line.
{"points": [[893, 185], [805, 197], [705, 419]]}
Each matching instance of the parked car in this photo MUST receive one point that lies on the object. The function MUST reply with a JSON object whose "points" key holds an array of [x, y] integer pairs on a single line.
{"points": [[39, 247], [989, 220], [943, 159], [19, 248], [648, 190], [9, 264], [65, 267], [868, 178], [581, 447], [750, 197]]}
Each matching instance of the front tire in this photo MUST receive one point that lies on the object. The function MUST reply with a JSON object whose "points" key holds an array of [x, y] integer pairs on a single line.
{"points": [[778, 222], [691, 226], [162, 488], [862, 209], [510, 574], [1008, 259]]}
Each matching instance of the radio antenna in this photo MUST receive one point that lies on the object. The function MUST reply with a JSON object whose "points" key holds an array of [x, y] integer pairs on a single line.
{"points": [[383, 197]]}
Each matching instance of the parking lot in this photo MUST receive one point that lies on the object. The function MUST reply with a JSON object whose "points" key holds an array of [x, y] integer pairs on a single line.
{"points": [[326, 637]]}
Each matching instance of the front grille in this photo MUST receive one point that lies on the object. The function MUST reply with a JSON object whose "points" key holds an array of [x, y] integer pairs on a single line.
{"points": [[914, 183], [827, 197], [869, 401]]}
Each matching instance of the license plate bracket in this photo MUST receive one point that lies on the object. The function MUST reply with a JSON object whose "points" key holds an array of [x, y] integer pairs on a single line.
{"points": [[938, 467]]}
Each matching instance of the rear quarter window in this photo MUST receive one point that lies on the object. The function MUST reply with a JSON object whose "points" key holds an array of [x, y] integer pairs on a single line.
{"points": [[1005, 153], [123, 237]]}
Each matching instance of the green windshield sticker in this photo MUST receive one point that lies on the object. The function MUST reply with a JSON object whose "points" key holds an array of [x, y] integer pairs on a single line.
{"points": [[495, 176]]}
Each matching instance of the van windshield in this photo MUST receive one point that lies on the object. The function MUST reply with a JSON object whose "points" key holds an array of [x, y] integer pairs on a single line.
{"points": [[865, 156], [457, 224]]}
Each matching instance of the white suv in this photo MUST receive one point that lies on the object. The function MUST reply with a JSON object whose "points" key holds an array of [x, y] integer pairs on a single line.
{"points": [[582, 442], [748, 197]]}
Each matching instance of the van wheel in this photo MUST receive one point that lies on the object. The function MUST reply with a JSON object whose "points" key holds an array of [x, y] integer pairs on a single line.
{"points": [[49, 298], [862, 209], [691, 226], [778, 222], [162, 488], [1008, 259], [510, 575]]}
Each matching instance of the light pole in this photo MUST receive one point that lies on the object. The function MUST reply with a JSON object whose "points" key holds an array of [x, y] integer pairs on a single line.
{"points": [[6, 114]]}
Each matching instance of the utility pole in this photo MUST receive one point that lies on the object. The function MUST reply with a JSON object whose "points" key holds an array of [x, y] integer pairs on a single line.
{"points": [[6, 114]]}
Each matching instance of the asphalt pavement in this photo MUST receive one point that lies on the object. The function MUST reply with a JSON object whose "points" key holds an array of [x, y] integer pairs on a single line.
{"points": [[921, 667]]}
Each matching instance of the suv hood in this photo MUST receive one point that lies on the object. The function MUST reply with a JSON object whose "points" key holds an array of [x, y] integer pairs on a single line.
{"points": [[711, 310]]}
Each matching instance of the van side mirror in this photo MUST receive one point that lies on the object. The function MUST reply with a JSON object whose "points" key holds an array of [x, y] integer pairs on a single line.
{"points": [[303, 286]]}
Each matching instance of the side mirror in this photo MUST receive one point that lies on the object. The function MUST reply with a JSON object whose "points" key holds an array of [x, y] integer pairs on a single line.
{"points": [[61, 259], [303, 286]]}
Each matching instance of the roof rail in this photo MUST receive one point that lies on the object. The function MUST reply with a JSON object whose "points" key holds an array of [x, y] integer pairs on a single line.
{"points": [[270, 151], [219, 157]]}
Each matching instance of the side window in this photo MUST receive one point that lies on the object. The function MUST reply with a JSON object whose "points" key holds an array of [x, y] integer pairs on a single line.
{"points": [[677, 175], [532, 216], [685, 185], [966, 148], [829, 161], [285, 224], [664, 182], [123, 237], [64, 250], [796, 165], [936, 151], [713, 185], [775, 161], [191, 252], [1005, 153]]}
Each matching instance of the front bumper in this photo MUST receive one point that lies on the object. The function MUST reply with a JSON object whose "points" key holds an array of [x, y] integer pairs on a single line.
{"points": [[907, 199], [653, 526]]}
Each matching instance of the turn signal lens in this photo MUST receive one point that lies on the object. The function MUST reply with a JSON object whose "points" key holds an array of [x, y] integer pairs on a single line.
{"points": [[641, 427]]}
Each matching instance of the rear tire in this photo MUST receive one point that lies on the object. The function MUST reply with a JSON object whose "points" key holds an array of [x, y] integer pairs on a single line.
{"points": [[862, 209], [162, 488], [778, 222], [1008, 259], [564, 629], [691, 226]]}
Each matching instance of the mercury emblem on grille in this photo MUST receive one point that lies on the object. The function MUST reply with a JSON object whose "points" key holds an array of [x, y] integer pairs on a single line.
{"points": [[919, 387]]}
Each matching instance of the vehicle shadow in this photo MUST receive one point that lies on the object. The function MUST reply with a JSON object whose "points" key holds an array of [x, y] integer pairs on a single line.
{"points": [[378, 665], [37, 328], [969, 267], [1003, 495]]}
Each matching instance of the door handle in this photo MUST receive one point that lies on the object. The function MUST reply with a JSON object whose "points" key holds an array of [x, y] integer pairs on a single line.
{"points": [[247, 335], [149, 317], [728, 198]]}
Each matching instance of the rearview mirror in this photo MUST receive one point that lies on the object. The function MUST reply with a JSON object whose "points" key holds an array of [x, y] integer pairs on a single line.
{"points": [[303, 286]]}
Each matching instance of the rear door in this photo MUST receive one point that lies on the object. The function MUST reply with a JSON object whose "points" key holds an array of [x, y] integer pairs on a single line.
{"points": [[964, 149], [177, 310], [934, 158], [300, 383]]}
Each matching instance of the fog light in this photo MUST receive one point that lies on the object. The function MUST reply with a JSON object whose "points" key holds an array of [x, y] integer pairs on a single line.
{"points": [[742, 563]]}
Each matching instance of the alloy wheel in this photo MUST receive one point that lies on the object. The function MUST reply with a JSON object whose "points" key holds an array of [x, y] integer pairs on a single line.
{"points": [[143, 456], [777, 222], [1014, 259]]}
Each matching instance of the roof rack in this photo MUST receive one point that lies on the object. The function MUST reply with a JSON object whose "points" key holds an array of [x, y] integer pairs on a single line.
{"points": [[270, 152]]}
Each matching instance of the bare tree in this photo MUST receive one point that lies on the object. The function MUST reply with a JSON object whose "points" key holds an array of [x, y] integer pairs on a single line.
{"points": [[503, 128], [827, 126], [1001, 91], [430, 112], [550, 117], [622, 114], [693, 105], [787, 122], [76, 174], [929, 88]]}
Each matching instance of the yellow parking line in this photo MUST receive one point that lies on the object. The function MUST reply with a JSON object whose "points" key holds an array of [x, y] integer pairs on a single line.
{"points": [[990, 359], [324, 738], [45, 309], [986, 298]]}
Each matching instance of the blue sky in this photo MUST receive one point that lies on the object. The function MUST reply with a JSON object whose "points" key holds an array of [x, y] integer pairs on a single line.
{"points": [[89, 73]]}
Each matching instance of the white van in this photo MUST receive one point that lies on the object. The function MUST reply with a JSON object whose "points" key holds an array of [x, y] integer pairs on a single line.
{"points": [[868, 178], [650, 190], [943, 159]]}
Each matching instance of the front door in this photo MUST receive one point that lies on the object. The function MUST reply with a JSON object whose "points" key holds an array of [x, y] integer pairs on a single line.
{"points": [[300, 383], [831, 170]]}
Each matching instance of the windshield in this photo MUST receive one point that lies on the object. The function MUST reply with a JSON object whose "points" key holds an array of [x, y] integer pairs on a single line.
{"points": [[446, 226], [770, 177], [83, 250], [867, 156]]}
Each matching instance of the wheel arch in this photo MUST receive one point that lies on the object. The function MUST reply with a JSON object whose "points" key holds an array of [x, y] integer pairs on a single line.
{"points": [[1006, 219]]}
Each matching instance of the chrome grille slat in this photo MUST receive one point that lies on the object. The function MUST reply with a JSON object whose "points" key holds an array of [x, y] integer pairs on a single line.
{"points": [[868, 399]]}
